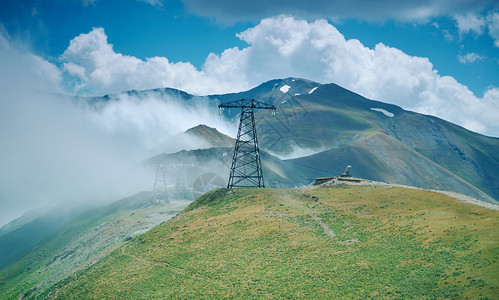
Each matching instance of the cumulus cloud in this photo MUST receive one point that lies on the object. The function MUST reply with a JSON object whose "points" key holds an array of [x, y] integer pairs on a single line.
{"points": [[51, 153], [233, 11], [147, 120], [285, 46], [26, 70], [98, 69], [151, 2]]}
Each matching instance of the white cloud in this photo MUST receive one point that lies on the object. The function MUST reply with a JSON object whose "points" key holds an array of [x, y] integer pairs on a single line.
{"points": [[24, 70], [289, 47], [470, 23], [51, 153], [476, 24], [55, 150], [469, 58], [149, 119], [99, 70], [493, 27], [153, 2]]}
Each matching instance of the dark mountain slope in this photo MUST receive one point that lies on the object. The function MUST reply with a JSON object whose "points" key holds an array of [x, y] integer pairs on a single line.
{"points": [[21, 221], [381, 157], [332, 117]]}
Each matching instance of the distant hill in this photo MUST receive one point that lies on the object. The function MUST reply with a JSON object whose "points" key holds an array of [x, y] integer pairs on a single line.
{"points": [[332, 242], [80, 243], [26, 234], [198, 137], [19, 222], [211, 135], [213, 155]]}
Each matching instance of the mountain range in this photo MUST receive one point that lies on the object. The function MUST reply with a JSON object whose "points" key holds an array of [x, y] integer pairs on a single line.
{"points": [[319, 129]]}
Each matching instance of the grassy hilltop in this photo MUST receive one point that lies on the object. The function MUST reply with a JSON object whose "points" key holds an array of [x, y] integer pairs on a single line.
{"points": [[326, 242]]}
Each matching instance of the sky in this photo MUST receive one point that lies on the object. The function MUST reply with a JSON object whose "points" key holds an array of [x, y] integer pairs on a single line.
{"points": [[437, 57]]}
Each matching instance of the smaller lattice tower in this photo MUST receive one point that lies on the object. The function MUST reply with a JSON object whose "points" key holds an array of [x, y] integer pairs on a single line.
{"points": [[246, 169], [159, 189], [181, 187]]}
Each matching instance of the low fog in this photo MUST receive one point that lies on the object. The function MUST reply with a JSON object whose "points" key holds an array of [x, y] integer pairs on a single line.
{"points": [[59, 150]]}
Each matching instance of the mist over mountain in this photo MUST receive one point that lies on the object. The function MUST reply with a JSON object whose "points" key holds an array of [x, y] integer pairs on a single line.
{"points": [[322, 128]]}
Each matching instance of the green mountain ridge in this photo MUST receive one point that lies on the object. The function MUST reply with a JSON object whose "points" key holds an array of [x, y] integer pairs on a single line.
{"points": [[20, 241], [189, 165], [211, 135], [81, 242], [313, 117], [326, 242], [27, 217]]}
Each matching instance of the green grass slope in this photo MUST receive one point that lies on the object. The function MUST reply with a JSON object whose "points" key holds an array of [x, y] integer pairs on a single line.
{"points": [[326, 242], [21, 221], [16, 243], [80, 243]]}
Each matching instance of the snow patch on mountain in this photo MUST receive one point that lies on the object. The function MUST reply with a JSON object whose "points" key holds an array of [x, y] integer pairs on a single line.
{"points": [[313, 90], [385, 112], [285, 88]]}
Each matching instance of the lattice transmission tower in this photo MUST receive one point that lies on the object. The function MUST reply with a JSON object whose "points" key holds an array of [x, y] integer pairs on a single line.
{"points": [[246, 169], [159, 189]]}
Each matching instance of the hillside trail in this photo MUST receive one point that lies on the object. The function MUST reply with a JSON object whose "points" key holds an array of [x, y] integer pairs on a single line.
{"points": [[145, 264], [285, 195]]}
